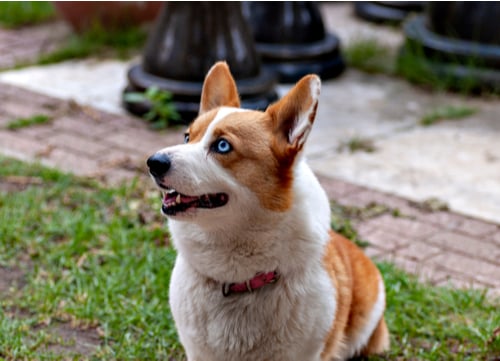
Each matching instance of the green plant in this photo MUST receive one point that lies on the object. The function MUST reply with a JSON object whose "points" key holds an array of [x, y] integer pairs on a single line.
{"points": [[446, 112], [441, 73], [162, 111], [20, 13], [358, 144], [27, 122], [368, 55]]}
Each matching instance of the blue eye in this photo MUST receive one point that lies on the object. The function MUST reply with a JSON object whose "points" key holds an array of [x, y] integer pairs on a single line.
{"points": [[222, 146], [186, 138]]}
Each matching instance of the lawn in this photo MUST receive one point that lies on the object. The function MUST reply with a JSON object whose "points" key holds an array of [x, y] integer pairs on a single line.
{"points": [[84, 273]]}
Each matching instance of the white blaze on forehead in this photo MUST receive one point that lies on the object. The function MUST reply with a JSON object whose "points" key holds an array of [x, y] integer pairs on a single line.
{"points": [[221, 114]]}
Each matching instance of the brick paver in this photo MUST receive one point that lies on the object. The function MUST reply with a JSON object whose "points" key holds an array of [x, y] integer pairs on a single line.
{"points": [[440, 247], [25, 45], [78, 139]]}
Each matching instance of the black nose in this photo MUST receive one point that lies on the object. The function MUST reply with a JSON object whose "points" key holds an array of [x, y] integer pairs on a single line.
{"points": [[159, 164]]}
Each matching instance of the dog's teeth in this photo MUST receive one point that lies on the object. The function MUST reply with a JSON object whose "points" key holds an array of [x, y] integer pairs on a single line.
{"points": [[170, 191], [178, 199]]}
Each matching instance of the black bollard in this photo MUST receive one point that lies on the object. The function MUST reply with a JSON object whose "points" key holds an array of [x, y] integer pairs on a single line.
{"points": [[187, 39], [291, 38], [458, 42]]}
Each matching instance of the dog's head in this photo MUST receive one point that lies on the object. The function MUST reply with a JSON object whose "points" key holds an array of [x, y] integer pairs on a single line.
{"points": [[235, 159]]}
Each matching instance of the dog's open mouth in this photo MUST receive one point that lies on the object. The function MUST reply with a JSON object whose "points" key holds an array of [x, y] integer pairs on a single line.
{"points": [[175, 202]]}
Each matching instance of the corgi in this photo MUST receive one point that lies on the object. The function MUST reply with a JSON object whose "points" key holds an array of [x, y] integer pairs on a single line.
{"points": [[259, 274]]}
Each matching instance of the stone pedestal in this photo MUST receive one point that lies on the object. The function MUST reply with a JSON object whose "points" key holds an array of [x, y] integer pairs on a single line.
{"points": [[291, 38], [458, 42], [393, 12], [187, 39]]}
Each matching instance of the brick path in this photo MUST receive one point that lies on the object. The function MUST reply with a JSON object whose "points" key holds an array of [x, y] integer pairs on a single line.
{"points": [[26, 44], [440, 247]]}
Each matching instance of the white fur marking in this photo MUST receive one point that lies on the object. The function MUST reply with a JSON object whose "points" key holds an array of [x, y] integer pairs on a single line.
{"points": [[373, 320], [303, 124], [221, 114]]}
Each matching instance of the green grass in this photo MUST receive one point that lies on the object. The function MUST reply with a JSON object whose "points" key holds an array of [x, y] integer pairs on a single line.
{"points": [[358, 144], [99, 259], [98, 42], [434, 72], [446, 113], [27, 122], [432, 323], [90, 259], [20, 13], [162, 112], [368, 55]]}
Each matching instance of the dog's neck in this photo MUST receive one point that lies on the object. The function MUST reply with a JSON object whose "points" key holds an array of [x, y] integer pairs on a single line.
{"points": [[238, 246], [232, 254], [260, 280]]}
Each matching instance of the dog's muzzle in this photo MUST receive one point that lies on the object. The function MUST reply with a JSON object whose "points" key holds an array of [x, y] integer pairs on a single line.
{"points": [[175, 202]]}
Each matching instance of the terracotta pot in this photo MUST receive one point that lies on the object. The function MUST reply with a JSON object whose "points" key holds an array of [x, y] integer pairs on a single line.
{"points": [[109, 14]]}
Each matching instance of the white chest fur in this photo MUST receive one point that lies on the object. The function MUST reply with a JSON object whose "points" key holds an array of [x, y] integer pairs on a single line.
{"points": [[288, 320]]}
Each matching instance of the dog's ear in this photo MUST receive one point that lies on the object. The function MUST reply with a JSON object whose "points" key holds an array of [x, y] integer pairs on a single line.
{"points": [[294, 114], [219, 89]]}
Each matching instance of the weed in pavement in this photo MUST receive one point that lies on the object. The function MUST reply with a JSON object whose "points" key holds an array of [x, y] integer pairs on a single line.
{"points": [[368, 55], [27, 122], [466, 76], [162, 112], [357, 144], [447, 113]]}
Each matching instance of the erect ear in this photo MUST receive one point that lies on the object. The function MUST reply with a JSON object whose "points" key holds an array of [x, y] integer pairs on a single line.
{"points": [[219, 89], [294, 114]]}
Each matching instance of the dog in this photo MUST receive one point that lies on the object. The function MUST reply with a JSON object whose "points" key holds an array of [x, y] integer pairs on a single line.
{"points": [[259, 274]]}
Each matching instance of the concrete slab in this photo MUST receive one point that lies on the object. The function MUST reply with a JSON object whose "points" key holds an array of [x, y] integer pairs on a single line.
{"points": [[93, 82]]}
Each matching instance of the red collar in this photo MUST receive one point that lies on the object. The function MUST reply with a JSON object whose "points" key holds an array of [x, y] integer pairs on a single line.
{"points": [[260, 280]]}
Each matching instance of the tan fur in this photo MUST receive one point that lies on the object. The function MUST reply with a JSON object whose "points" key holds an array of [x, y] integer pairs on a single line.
{"points": [[379, 340], [355, 278], [251, 158], [219, 89], [329, 302]]}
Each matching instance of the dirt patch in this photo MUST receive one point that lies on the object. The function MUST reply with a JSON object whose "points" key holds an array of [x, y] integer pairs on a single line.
{"points": [[69, 341], [18, 183], [11, 277], [65, 340]]}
